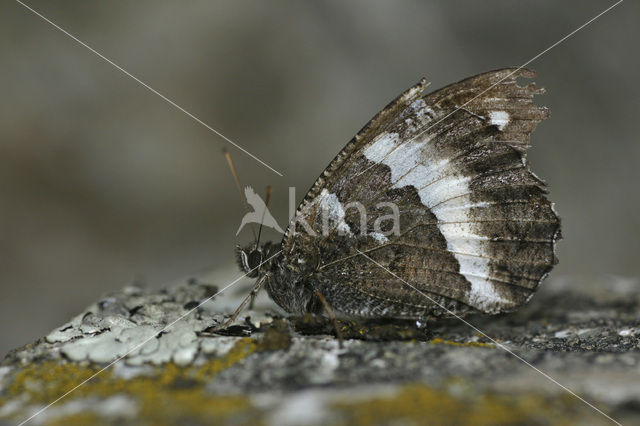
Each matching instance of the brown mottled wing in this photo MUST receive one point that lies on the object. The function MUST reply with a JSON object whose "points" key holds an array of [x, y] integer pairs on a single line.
{"points": [[476, 231]]}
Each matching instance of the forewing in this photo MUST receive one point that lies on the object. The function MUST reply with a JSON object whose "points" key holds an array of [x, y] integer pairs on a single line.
{"points": [[476, 230]]}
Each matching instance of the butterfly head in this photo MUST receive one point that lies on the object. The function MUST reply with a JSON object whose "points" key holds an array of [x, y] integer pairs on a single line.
{"points": [[254, 259]]}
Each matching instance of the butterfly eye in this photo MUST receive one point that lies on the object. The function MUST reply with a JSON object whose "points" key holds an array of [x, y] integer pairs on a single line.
{"points": [[254, 261]]}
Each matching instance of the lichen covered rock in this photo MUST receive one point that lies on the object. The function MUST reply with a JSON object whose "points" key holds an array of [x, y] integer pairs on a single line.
{"points": [[270, 369]]}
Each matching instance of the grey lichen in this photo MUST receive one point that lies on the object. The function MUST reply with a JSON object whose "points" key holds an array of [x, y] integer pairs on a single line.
{"points": [[143, 327]]}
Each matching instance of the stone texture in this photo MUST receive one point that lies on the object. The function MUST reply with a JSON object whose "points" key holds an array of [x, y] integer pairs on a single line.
{"points": [[272, 369]]}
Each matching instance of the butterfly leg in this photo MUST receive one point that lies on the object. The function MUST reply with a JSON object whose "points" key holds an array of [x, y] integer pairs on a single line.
{"points": [[331, 315], [249, 297], [253, 299]]}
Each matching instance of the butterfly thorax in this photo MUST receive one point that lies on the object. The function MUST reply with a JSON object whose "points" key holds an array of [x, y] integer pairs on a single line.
{"points": [[284, 279], [288, 287]]}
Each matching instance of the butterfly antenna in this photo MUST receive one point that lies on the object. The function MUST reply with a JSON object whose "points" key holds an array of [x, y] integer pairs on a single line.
{"points": [[227, 156], [266, 203]]}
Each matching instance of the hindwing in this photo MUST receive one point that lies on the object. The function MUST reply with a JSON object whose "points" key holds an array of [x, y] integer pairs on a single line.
{"points": [[475, 229]]}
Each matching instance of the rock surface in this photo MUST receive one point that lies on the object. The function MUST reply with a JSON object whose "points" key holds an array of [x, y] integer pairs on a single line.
{"points": [[271, 369]]}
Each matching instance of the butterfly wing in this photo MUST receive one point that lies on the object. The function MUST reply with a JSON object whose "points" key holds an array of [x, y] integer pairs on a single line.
{"points": [[475, 232]]}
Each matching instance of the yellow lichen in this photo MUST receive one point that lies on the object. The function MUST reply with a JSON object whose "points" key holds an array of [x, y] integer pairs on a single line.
{"points": [[439, 341], [79, 419], [243, 348], [167, 394], [419, 404]]}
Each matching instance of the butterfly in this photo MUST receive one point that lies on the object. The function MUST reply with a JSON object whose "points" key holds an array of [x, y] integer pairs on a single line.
{"points": [[474, 229]]}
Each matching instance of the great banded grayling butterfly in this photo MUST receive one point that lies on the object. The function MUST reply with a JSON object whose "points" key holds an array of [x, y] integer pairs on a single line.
{"points": [[476, 232]]}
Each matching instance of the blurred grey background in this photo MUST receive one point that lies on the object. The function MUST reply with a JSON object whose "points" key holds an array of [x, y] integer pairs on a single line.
{"points": [[102, 182]]}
